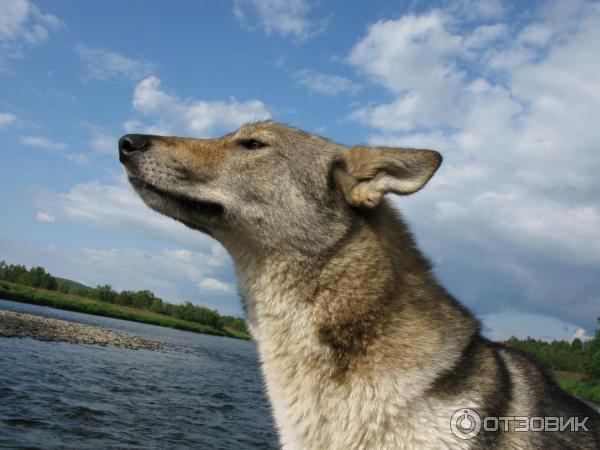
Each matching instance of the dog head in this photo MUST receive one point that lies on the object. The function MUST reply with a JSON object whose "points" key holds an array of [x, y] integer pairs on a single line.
{"points": [[269, 185]]}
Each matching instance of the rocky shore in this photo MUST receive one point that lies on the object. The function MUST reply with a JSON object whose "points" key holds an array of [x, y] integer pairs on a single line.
{"points": [[14, 324]]}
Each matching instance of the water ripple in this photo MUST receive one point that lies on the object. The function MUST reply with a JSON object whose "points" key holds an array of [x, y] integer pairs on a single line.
{"points": [[201, 392]]}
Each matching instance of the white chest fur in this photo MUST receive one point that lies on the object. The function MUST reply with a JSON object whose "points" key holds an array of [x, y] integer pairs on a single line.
{"points": [[314, 411]]}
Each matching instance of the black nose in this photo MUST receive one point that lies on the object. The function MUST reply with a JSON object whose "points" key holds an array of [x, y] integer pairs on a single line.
{"points": [[133, 143]]}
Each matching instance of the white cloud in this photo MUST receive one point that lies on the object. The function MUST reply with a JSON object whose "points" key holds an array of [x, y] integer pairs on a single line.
{"points": [[193, 116], [154, 270], [485, 35], [44, 217], [502, 325], [148, 96], [535, 34], [326, 84], [582, 335], [516, 131], [515, 119], [564, 231], [415, 57], [413, 52], [7, 119], [22, 23], [103, 64], [119, 208], [212, 284], [217, 257], [43, 142], [13, 15], [402, 114], [284, 17]]}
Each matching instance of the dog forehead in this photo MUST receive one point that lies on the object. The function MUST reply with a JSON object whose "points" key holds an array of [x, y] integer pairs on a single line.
{"points": [[270, 130], [257, 129]]}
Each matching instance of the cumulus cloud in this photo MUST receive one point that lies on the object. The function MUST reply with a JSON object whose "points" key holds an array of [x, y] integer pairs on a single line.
{"points": [[118, 207], [44, 217], [43, 142], [535, 34], [163, 268], [518, 218], [582, 335], [212, 284], [22, 24], [197, 117], [485, 35], [283, 17], [161, 271], [101, 64], [415, 58], [326, 84], [216, 256], [515, 120], [7, 119]]}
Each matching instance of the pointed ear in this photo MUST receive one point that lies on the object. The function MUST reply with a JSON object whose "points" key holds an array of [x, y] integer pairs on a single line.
{"points": [[365, 174]]}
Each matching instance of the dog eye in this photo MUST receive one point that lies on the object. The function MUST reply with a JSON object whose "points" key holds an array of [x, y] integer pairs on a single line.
{"points": [[251, 144]]}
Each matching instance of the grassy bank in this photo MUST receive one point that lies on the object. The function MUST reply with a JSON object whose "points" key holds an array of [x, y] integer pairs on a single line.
{"points": [[576, 384], [26, 294]]}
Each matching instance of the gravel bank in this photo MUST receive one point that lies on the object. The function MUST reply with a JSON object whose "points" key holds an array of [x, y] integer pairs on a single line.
{"points": [[13, 324]]}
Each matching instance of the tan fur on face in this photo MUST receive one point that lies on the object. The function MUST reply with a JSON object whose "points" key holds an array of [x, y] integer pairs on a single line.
{"points": [[360, 346], [201, 157]]}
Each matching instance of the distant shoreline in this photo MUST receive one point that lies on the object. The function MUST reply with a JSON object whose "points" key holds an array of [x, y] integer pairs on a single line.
{"points": [[21, 325], [59, 300]]}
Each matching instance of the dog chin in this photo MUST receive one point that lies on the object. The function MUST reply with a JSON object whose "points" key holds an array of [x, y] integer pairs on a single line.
{"points": [[178, 206]]}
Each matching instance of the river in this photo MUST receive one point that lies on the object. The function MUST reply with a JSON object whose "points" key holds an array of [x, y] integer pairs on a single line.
{"points": [[201, 392]]}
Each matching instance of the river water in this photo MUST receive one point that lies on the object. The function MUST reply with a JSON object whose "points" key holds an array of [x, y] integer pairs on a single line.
{"points": [[202, 392]]}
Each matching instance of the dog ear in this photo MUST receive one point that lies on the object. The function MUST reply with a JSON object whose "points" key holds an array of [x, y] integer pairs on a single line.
{"points": [[365, 174]]}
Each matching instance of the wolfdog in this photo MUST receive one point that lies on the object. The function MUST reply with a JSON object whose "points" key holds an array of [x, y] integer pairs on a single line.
{"points": [[360, 346]]}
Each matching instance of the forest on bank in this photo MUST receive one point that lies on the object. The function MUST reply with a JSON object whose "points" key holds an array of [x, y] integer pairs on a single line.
{"points": [[575, 364], [38, 277], [577, 356]]}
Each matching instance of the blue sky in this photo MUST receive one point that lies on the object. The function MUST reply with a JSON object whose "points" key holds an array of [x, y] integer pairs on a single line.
{"points": [[508, 92]]}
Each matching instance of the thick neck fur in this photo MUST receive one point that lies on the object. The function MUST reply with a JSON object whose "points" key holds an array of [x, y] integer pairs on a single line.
{"points": [[368, 309], [374, 268]]}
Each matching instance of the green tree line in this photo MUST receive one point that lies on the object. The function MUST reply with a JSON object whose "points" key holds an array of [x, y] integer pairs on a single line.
{"points": [[34, 277], [38, 277], [577, 356]]}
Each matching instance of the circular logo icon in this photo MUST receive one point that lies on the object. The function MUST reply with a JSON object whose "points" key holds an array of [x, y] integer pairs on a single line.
{"points": [[465, 423]]}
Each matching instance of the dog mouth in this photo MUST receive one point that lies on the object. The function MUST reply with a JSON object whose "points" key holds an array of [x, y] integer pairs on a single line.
{"points": [[186, 203]]}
